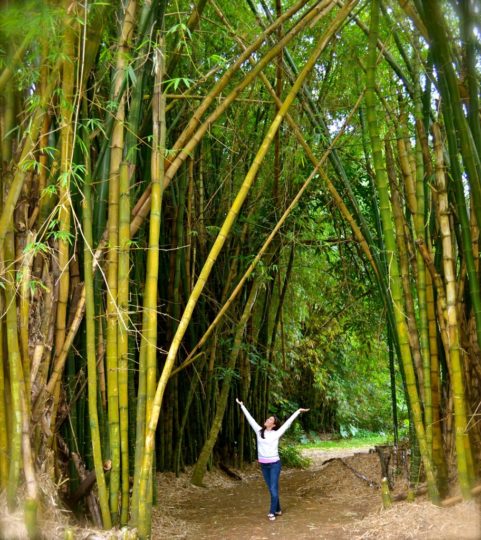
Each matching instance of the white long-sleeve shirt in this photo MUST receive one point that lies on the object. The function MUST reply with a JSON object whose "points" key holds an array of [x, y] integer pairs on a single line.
{"points": [[268, 448]]}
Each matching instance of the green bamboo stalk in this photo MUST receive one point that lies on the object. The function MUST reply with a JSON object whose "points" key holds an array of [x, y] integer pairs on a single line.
{"points": [[91, 351], [391, 255], [455, 361], [468, 37], [216, 248]]}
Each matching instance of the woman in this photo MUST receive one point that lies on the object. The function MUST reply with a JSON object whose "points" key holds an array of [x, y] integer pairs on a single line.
{"points": [[268, 453]]}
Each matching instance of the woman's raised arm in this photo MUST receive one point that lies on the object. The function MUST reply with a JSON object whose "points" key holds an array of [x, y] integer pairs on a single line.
{"points": [[254, 425], [287, 424]]}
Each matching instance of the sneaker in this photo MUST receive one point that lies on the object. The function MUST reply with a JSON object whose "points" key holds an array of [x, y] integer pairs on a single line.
{"points": [[279, 513], [271, 517]]}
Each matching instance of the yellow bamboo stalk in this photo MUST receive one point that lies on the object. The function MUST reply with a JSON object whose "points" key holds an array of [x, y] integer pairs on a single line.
{"points": [[420, 232], [24, 309], [20, 453], [439, 460]]}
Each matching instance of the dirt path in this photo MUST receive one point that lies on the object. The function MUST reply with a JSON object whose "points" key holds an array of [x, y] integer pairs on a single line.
{"points": [[327, 501], [239, 511]]}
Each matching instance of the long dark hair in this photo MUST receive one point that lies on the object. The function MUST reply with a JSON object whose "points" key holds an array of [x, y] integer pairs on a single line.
{"points": [[277, 423]]}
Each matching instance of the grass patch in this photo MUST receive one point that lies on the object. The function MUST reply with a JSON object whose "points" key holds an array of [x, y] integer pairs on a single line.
{"points": [[351, 442]]}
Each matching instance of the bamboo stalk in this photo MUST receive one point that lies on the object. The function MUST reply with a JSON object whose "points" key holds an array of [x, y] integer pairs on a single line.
{"points": [[112, 309], [91, 352], [64, 203], [4, 427], [123, 333], [141, 515], [400, 229]]}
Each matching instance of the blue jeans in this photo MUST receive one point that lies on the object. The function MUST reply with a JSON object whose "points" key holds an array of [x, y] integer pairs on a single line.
{"points": [[271, 473]]}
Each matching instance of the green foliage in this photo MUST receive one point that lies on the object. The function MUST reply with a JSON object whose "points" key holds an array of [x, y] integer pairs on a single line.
{"points": [[291, 456], [336, 343]]}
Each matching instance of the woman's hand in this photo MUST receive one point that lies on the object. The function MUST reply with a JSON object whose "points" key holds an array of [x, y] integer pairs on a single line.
{"points": [[304, 410], [239, 401]]}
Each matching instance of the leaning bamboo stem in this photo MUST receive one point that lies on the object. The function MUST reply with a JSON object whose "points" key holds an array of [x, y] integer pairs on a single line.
{"points": [[219, 242], [201, 464]]}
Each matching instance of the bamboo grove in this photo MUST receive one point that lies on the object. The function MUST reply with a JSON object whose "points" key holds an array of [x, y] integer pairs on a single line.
{"points": [[155, 157]]}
